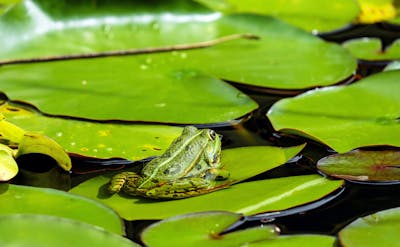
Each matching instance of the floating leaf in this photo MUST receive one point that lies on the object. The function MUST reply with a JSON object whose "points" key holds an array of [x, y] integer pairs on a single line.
{"points": [[101, 140], [248, 198], [298, 241], [37, 143], [166, 76], [310, 15], [203, 229], [45, 230], [10, 134], [363, 165], [345, 117], [373, 11], [8, 166], [395, 65], [30, 200], [378, 229], [371, 49]]}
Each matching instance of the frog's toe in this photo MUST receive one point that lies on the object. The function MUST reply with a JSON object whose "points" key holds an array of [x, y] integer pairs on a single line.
{"points": [[218, 174]]}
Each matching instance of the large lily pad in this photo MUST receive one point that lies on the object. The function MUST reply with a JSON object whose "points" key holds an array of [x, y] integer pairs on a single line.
{"points": [[203, 229], [345, 117], [155, 87], [297, 240], [248, 198], [378, 229], [371, 49], [363, 165], [311, 15], [101, 140], [44, 230], [17, 199]]}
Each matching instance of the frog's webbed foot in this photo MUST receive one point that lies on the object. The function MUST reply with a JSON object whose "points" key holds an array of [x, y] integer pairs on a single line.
{"points": [[217, 174], [118, 181]]}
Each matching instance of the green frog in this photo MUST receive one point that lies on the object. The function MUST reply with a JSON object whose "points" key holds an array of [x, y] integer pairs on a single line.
{"points": [[190, 166]]}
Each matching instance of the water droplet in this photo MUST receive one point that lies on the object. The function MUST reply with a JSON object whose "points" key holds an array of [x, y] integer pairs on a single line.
{"points": [[109, 149], [148, 60], [144, 66], [73, 143], [95, 150], [160, 104], [84, 82], [155, 26], [84, 149], [183, 55], [59, 134]]}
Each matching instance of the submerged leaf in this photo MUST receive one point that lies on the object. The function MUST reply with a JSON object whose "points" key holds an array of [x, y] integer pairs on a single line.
{"points": [[44, 230], [363, 165], [8, 166], [378, 229], [37, 143], [18, 199], [203, 229], [345, 117]]}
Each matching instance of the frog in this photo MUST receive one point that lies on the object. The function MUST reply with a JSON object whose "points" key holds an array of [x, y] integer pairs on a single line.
{"points": [[190, 166]]}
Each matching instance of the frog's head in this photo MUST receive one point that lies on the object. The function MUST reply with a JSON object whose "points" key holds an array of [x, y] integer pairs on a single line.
{"points": [[212, 151]]}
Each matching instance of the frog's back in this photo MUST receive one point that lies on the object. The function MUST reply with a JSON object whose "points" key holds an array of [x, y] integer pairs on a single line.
{"points": [[184, 154]]}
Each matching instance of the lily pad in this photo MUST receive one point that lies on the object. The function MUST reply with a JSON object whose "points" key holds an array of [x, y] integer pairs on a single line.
{"points": [[19, 199], [378, 229], [338, 116], [36, 143], [371, 49], [154, 86], [247, 198], [100, 140], [44, 230], [373, 11], [8, 166], [297, 240], [203, 229], [362, 165], [314, 16]]}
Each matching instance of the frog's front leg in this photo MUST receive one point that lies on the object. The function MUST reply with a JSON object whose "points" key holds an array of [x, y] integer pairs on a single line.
{"points": [[182, 188], [119, 180]]}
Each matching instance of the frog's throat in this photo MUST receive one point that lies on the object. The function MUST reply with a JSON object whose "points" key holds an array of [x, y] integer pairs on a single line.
{"points": [[166, 162]]}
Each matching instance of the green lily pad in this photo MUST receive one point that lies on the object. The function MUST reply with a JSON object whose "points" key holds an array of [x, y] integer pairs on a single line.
{"points": [[101, 140], [36, 143], [345, 117], [30, 200], [363, 165], [395, 65], [154, 87], [248, 198], [203, 229], [378, 229], [371, 49], [310, 15], [44, 230], [297, 240], [255, 197], [8, 166]]}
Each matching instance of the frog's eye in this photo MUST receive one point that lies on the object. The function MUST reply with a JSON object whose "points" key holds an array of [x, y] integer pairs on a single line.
{"points": [[212, 135]]}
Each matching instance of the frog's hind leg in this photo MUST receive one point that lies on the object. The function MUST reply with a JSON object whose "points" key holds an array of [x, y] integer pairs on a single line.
{"points": [[182, 188], [118, 181]]}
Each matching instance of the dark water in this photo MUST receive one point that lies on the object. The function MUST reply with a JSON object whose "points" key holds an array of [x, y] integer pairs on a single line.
{"points": [[325, 217]]}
